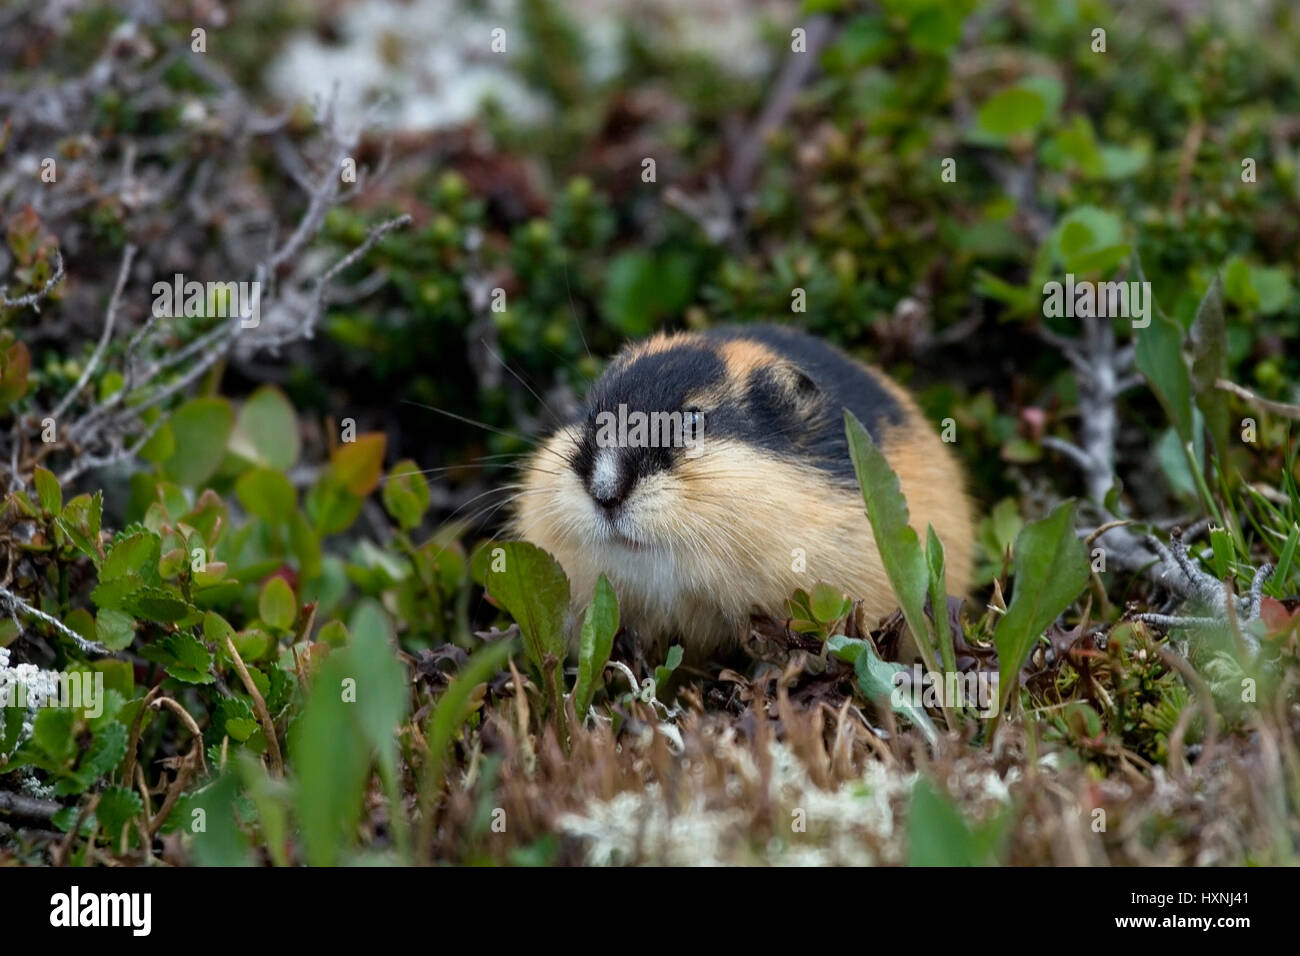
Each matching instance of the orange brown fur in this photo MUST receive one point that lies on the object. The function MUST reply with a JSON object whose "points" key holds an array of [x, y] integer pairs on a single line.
{"points": [[717, 536]]}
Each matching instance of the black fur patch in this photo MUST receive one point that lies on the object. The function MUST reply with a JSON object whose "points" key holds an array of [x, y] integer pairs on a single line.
{"points": [[796, 416], [817, 437], [652, 383]]}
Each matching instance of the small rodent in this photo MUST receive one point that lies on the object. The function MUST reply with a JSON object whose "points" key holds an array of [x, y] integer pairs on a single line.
{"points": [[695, 539]]}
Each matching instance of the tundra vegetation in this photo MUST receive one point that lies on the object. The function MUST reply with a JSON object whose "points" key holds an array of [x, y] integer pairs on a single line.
{"points": [[276, 537]]}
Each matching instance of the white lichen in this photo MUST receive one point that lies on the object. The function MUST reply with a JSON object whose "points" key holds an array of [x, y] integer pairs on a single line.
{"points": [[433, 65]]}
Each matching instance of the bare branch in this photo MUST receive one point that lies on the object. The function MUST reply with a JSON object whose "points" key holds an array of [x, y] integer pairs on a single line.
{"points": [[17, 605], [34, 298], [110, 317]]}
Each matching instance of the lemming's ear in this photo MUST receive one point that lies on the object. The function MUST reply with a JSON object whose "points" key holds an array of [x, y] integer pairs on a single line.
{"points": [[802, 392]]}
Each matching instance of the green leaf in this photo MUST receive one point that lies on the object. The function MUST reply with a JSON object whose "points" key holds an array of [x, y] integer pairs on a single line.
{"points": [[934, 28], [81, 520], [266, 431], [598, 629], [220, 842], [828, 604], [939, 599], [899, 547], [452, 709], [331, 507], [117, 593], [268, 795], [117, 807], [48, 491], [183, 656], [876, 678], [216, 629], [334, 633], [1089, 239], [1159, 356], [665, 670], [406, 494], [939, 835], [358, 464], [114, 629], [266, 494], [305, 545], [530, 585], [331, 763], [201, 427], [382, 701], [382, 698], [107, 748], [1209, 340], [11, 725], [642, 288], [1013, 111], [1051, 568], [166, 604], [138, 552], [276, 605], [235, 716]]}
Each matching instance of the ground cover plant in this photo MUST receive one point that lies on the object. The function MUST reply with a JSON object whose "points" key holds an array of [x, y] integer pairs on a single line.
{"points": [[268, 363]]}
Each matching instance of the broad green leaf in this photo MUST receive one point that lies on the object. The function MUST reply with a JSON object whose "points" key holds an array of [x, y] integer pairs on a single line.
{"points": [[184, 658], [530, 585], [305, 545], [81, 520], [382, 697], [220, 842], [406, 494], [828, 604], [331, 507], [201, 427], [165, 605], [939, 835], [334, 633], [598, 629], [266, 431], [276, 605], [1089, 240], [269, 797], [1013, 111], [331, 762], [266, 494], [358, 464], [107, 748], [876, 677], [117, 807], [114, 629], [1051, 568], [138, 552], [216, 629], [48, 491]]}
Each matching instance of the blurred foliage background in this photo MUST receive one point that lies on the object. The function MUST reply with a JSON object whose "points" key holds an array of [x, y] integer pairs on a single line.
{"points": [[917, 169]]}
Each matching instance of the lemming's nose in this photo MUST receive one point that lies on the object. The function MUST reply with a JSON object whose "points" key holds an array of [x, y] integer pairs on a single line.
{"points": [[609, 483]]}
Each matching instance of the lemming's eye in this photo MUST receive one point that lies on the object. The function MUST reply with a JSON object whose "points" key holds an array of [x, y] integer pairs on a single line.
{"points": [[693, 419]]}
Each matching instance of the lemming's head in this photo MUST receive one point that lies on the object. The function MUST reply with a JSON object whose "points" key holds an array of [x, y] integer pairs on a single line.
{"points": [[682, 430]]}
